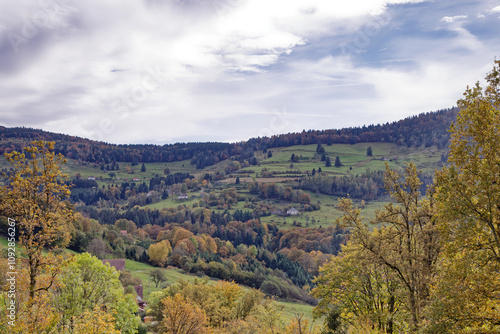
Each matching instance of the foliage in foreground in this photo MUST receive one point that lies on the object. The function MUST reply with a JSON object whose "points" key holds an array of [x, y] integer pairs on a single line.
{"points": [[432, 266]]}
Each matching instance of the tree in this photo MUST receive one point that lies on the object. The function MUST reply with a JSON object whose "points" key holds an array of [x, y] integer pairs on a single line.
{"points": [[237, 180], [143, 168], [180, 316], [468, 197], [407, 244], [158, 276], [269, 154], [86, 284], [166, 171], [35, 196], [369, 151], [328, 162], [96, 321], [358, 290], [337, 162], [158, 253]]}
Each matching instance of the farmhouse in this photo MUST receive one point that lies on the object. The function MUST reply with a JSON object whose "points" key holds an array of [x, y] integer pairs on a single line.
{"points": [[182, 196], [292, 212]]}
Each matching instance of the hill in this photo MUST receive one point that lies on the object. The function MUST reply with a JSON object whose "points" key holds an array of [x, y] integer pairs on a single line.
{"points": [[426, 129]]}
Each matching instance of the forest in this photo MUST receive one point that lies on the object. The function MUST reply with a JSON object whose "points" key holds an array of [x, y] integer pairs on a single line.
{"points": [[426, 260]]}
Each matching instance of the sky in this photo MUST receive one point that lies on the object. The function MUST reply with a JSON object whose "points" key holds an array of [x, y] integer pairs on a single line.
{"points": [[166, 71]]}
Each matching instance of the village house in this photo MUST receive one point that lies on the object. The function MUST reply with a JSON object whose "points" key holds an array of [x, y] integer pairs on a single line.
{"points": [[292, 212]]}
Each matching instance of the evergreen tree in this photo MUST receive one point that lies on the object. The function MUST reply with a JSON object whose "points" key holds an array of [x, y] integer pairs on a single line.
{"points": [[143, 168], [328, 162], [269, 154], [337, 162], [369, 151], [237, 180]]}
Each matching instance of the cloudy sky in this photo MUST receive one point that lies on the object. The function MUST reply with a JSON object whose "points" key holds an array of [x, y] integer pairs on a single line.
{"points": [[164, 71]]}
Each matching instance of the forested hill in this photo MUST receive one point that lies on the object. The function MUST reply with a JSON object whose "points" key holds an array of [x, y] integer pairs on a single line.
{"points": [[425, 129]]}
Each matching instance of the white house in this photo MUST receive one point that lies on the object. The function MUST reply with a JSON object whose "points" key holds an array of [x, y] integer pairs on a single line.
{"points": [[292, 212]]}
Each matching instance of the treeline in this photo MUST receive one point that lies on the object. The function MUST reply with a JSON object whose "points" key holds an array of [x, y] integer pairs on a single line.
{"points": [[366, 186], [425, 129]]}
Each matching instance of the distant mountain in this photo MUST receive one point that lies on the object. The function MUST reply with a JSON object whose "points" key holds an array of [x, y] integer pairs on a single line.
{"points": [[425, 129]]}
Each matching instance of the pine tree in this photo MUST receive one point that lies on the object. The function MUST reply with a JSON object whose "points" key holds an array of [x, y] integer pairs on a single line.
{"points": [[337, 162], [143, 168], [369, 151], [328, 162]]}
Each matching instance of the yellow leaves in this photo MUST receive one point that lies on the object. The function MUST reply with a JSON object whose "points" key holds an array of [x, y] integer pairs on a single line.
{"points": [[96, 321], [180, 316], [158, 253]]}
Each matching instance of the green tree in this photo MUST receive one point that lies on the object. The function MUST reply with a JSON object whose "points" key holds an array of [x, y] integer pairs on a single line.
{"points": [[158, 276], [337, 162], [35, 196], [328, 162], [86, 284], [143, 168], [369, 151], [166, 171]]}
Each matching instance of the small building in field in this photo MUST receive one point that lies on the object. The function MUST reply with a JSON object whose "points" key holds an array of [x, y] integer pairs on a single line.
{"points": [[292, 212], [182, 196], [92, 178]]}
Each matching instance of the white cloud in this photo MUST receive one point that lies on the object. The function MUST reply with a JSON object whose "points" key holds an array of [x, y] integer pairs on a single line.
{"points": [[451, 19], [496, 9]]}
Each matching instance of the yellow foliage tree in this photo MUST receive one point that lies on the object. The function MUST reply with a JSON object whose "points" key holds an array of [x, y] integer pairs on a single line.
{"points": [[180, 316], [467, 293], [34, 196], [158, 253], [96, 321]]}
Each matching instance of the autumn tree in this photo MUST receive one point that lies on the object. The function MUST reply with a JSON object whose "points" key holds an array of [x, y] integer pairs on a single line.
{"points": [[407, 243], [158, 253], [468, 198], [35, 196], [180, 316], [362, 290], [95, 321]]}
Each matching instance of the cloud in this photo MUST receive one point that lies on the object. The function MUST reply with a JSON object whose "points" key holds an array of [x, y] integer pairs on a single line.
{"points": [[150, 71], [451, 19]]}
